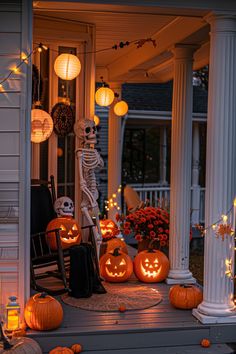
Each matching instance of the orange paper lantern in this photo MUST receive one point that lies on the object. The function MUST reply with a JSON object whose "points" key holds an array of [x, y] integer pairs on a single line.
{"points": [[104, 96], [121, 108]]}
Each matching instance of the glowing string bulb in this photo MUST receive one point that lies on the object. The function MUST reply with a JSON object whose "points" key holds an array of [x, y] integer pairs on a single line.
{"points": [[114, 195], [225, 218]]}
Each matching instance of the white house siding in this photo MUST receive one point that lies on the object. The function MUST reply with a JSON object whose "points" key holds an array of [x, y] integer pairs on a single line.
{"points": [[15, 32]]}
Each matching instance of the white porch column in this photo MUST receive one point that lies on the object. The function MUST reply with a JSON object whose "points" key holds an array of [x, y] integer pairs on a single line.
{"points": [[163, 154], [114, 153], [181, 147], [195, 175], [218, 305]]}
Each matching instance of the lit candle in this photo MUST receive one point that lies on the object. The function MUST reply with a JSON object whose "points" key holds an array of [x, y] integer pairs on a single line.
{"points": [[12, 320], [13, 314]]}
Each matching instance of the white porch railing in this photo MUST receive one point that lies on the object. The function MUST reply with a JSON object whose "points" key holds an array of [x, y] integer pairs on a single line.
{"points": [[160, 196]]}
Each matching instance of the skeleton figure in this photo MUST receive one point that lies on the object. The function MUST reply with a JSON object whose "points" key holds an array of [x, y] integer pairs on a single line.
{"points": [[64, 206], [88, 160]]}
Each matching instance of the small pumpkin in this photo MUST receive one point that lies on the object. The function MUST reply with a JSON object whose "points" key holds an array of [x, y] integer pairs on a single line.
{"points": [[205, 343], [61, 350], [108, 246], [116, 267], [18, 345], [122, 308], [151, 266], [43, 312], [108, 228], [185, 296], [69, 234], [76, 348]]}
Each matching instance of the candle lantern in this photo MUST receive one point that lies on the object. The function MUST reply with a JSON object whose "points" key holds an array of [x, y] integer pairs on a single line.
{"points": [[13, 314]]}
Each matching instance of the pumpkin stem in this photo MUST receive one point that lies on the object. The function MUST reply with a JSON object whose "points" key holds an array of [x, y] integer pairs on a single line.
{"points": [[116, 252], [4, 339], [151, 247], [186, 286], [43, 295]]}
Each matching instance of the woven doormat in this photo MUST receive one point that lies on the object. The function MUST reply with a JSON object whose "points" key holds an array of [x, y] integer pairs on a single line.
{"points": [[134, 296]]}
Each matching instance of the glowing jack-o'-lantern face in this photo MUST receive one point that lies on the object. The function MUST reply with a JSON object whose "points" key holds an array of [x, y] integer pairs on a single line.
{"points": [[69, 232], [108, 228], [151, 266], [116, 267]]}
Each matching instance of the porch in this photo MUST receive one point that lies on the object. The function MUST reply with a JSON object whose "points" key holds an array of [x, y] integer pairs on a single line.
{"points": [[137, 331]]}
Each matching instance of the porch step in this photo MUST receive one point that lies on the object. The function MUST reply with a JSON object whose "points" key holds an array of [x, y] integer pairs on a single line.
{"points": [[190, 349]]}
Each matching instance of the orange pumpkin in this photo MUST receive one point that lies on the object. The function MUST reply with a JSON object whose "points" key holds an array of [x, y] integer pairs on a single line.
{"points": [[151, 266], [122, 308], [108, 228], [69, 233], [185, 296], [61, 350], [109, 246], [43, 312], [77, 348], [116, 267], [205, 343]]}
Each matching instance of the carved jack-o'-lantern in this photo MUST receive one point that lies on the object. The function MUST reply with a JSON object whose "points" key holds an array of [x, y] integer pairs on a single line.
{"points": [[69, 233], [109, 228], [151, 266], [116, 267]]}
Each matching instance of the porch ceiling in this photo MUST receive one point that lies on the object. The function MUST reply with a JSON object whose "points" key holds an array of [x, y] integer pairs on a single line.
{"points": [[115, 23]]}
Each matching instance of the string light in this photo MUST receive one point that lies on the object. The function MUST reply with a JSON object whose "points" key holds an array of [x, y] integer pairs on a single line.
{"points": [[39, 47], [112, 202], [16, 69]]}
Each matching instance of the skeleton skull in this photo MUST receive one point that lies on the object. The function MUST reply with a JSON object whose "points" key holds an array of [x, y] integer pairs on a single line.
{"points": [[64, 206], [86, 130]]}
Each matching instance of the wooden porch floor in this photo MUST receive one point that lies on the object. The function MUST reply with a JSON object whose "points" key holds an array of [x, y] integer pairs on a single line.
{"points": [[160, 329]]}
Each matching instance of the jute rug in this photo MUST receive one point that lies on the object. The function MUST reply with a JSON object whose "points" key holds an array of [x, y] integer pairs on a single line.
{"points": [[134, 296]]}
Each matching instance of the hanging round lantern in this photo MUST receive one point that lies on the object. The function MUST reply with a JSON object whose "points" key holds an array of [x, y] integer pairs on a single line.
{"points": [[41, 125], [96, 120], [67, 66], [104, 96], [121, 108]]}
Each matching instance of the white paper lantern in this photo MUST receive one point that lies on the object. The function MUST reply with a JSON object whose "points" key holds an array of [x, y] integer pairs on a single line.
{"points": [[121, 108], [67, 66], [41, 125], [104, 96]]}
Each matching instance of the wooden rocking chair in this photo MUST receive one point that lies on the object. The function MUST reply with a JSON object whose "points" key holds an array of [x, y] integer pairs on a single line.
{"points": [[44, 262]]}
